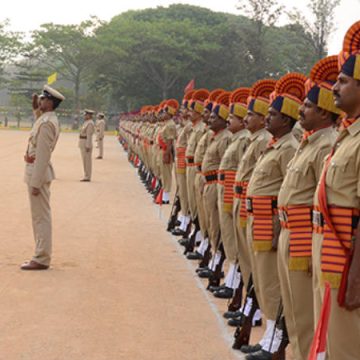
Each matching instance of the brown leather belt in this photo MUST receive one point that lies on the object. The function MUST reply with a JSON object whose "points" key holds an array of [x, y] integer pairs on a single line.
{"points": [[83, 137]]}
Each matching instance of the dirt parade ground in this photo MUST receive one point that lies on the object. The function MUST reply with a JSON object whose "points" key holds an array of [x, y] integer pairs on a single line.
{"points": [[119, 286]]}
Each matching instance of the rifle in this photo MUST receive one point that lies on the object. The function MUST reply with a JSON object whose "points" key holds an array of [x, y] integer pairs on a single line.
{"points": [[214, 280], [175, 209], [280, 324], [242, 336], [191, 244], [236, 301], [206, 258]]}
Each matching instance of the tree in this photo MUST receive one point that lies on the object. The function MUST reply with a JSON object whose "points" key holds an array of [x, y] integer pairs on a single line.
{"points": [[10, 46], [69, 50], [317, 32], [264, 15]]}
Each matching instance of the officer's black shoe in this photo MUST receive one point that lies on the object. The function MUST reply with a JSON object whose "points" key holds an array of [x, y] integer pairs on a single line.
{"points": [[206, 274], [199, 269], [259, 355], [194, 256], [236, 321], [166, 202], [216, 288], [225, 293], [232, 314], [184, 242], [178, 232], [177, 223], [257, 323], [247, 349]]}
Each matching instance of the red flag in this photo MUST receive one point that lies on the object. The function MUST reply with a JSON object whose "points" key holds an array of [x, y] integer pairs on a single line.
{"points": [[318, 346], [190, 86], [153, 183], [159, 198]]}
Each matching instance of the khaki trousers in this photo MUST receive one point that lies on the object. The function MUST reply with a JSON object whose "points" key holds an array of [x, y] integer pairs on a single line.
{"points": [[212, 212], [297, 295], [316, 279], [226, 228], [191, 190], [166, 175], [203, 220], [343, 332], [41, 223], [242, 249], [101, 147], [87, 162], [183, 194], [265, 276]]}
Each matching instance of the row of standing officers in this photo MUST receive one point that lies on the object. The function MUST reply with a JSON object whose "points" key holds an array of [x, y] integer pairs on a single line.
{"points": [[268, 179]]}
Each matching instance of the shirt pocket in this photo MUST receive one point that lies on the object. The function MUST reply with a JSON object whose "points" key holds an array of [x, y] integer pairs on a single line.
{"points": [[263, 174], [338, 169], [296, 175]]}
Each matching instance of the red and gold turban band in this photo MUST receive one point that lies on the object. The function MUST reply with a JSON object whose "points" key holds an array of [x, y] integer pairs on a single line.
{"points": [[289, 94], [349, 57], [323, 76], [221, 105], [238, 102], [197, 101], [259, 100]]}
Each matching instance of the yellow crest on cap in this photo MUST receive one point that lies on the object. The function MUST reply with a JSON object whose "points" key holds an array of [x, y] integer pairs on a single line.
{"points": [[261, 106], [239, 110], [326, 101]]}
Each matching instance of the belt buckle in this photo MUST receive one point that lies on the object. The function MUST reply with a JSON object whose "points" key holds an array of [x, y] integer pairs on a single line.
{"points": [[317, 218], [249, 205], [283, 216]]}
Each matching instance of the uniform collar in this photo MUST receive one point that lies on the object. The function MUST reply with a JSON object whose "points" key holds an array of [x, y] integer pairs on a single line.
{"points": [[354, 128], [318, 133], [239, 135], [256, 134], [285, 138]]}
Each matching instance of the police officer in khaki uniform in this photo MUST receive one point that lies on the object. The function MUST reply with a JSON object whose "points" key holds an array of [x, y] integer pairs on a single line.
{"points": [[167, 136], [263, 225], [180, 171], [219, 142], [86, 143], [339, 202], [258, 140], [318, 115], [100, 133], [227, 172], [39, 173]]}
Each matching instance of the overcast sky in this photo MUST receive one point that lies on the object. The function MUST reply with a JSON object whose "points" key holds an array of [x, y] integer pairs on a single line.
{"points": [[25, 15]]}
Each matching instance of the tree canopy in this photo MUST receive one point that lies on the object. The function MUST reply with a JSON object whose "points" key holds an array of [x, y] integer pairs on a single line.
{"points": [[141, 57]]}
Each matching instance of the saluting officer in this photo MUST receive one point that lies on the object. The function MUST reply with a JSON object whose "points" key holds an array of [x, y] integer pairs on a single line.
{"points": [[39, 173]]}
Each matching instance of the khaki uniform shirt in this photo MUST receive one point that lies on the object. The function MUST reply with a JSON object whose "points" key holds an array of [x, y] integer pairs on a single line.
{"points": [[202, 146], [216, 150], [270, 168], [304, 170], [235, 151], [168, 132], [343, 175], [184, 134], [197, 131], [100, 129], [256, 146], [42, 141], [86, 132]]}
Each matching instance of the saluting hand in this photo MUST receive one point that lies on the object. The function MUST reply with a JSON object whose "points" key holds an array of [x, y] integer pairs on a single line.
{"points": [[35, 101], [35, 191]]}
